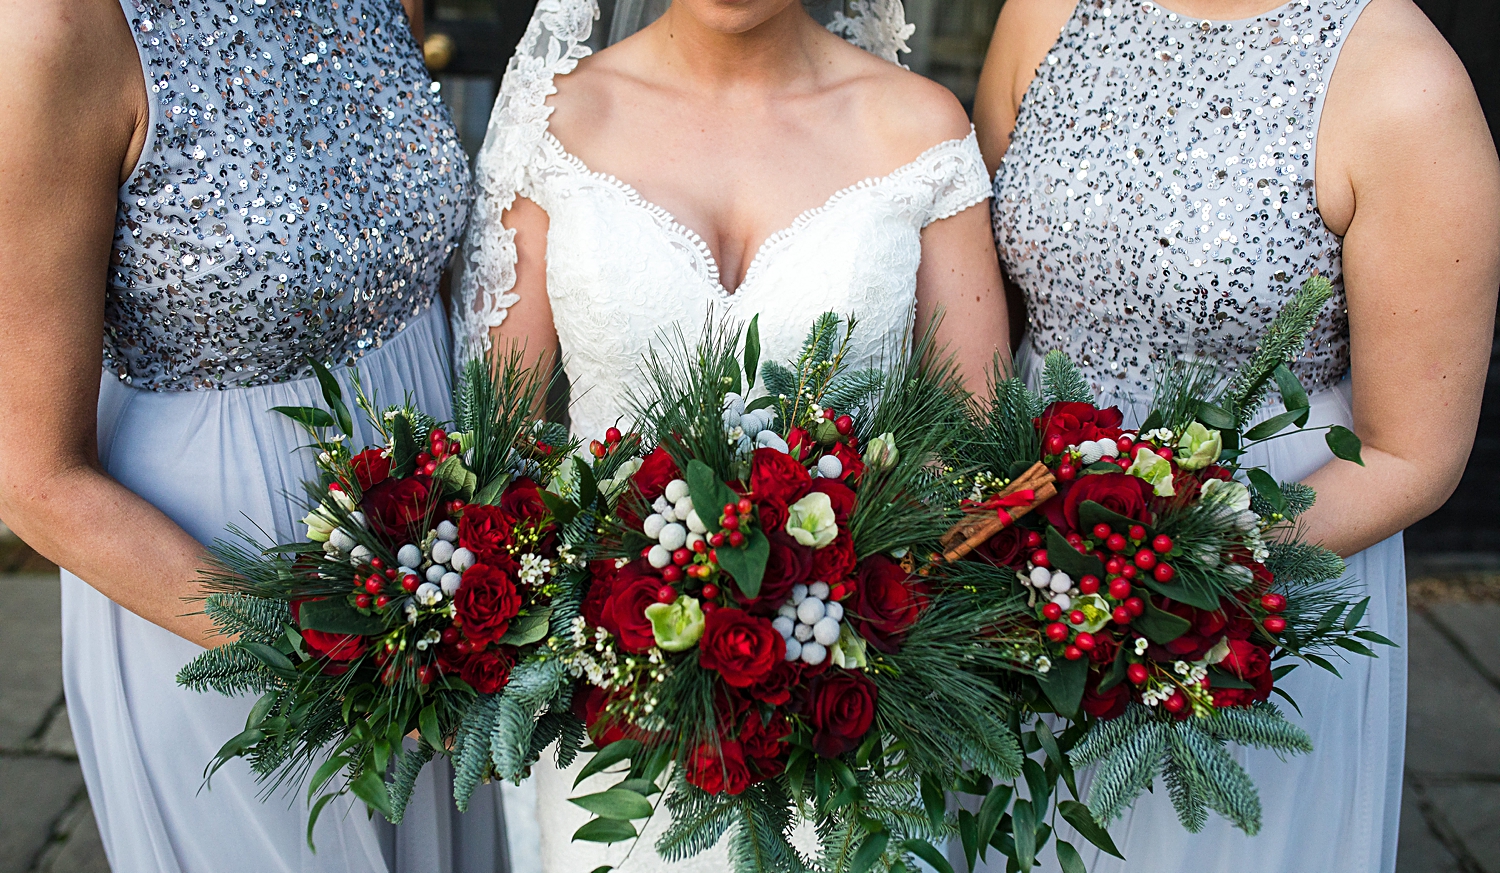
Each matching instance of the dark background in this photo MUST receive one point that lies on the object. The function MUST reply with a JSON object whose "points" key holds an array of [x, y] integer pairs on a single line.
{"points": [[484, 32]]}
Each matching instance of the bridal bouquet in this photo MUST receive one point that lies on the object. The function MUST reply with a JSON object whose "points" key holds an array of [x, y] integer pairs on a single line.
{"points": [[428, 571], [1166, 592], [761, 641]]}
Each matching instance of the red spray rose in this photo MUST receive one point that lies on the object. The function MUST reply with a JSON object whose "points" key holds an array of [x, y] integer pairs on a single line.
{"points": [[854, 465], [1119, 492], [1108, 704], [841, 710], [634, 589], [1077, 422], [840, 496], [887, 602], [656, 471], [764, 743], [523, 500], [486, 531], [775, 688], [334, 647], [1251, 663], [742, 647], [601, 587], [835, 561], [776, 476], [486, 602], [395, 506], [719, 770], [489, 670], [1204, 632], [371, 467]]}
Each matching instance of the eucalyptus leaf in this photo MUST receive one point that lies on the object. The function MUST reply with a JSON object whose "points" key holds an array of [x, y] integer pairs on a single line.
{"points": [[1266, 486], [614, 753], [1063, 685], [1068, 858], [334, 615], [605, 830], [307, 416], [615, 803], [1062, 555], [929, 853], [1078, 815], [870, 851], [1293, 395], [746, 564], [1344, 444], [1024, 822], [752, 351], [333, 395], [1216, 417], [1275, 424], [1158, 625], [527, 629]]}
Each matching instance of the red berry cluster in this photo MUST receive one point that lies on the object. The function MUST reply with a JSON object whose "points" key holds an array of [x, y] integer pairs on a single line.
{"points": [[612, 439]]}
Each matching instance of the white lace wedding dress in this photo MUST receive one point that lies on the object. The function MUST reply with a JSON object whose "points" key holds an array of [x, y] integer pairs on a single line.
{"points": [[621, 271]]}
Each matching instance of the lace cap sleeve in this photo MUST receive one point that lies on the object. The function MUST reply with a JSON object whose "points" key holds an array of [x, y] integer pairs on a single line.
{"points": [[553, 44], [955, 172]]}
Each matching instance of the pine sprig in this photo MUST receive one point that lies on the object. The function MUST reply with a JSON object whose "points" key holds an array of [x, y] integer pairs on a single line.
{"points": [[1062, 381], [699, 820], [471, 748], [1282, 342], [229, 670], [407, 770]]}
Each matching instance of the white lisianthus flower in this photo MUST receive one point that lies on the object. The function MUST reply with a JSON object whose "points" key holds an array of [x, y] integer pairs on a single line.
{"points": [[1226, 492], [612, 486], [810, 520], [1198, 447], [1154, 469], [320, 522], [1219, 652]]}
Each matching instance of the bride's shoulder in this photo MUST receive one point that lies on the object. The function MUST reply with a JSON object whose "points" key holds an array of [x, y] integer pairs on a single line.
{"points": [[902, 112]]}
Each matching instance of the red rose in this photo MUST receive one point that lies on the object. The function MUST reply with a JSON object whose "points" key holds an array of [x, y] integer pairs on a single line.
{"points": [[1006, 548], [334, 647], [1251, 663], [1118, 492], [1109, 704], [799, 443], [743, 648], [591, 704], [854, 465], [485, 602], [1077, 422], [778, 477], [486, 531], [601, 586], [775, 688], [719, 769], [887, 602], [841, 496], [656, 471], [634, 589], [1185, 487], [764, 744], [395, 507], [842, 709], [835, 561], [1204, 631], [371, 467], [488, 671], [523, 500], [788, 564]]}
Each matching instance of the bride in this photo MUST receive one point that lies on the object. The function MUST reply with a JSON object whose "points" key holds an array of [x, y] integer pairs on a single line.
{"points": [[733, 158]]}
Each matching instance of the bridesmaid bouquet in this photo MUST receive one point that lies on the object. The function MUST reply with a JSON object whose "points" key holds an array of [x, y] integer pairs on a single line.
{"points": [[429, 569], [1165, 591], [761, 641]]}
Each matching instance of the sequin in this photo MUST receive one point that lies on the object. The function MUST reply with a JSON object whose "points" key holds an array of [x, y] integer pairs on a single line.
{"points": [[301, 190], [1157, 201]]}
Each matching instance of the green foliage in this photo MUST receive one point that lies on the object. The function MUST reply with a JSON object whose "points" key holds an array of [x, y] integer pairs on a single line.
{"points": [[1180, 389], [407, 770], [471, 748], [533, 685], [699, 819], [1298, 499], [1062, 381], [760, 837], [229, 670], [1281, 343]]}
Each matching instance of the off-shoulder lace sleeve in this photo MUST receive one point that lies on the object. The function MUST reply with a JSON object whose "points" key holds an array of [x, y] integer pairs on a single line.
{"points": [[955, 171], [877, 26], [553, 44]]}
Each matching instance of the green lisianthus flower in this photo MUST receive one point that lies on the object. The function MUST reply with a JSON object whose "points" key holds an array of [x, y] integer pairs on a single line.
{"points": [[1154, 469], [1198, 447], [810, 520], [676, 626]]}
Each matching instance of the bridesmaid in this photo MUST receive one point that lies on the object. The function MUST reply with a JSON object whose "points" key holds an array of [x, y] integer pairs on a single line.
{"points": [[1165, 176], [209, 192]]}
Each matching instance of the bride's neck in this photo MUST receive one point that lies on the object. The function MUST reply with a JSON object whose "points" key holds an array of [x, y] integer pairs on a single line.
{"points": [[780, 49]]}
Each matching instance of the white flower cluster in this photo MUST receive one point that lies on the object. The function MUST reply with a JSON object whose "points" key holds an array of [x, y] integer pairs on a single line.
{"points": [[1092, 451], [748, 431], [1162, 436], [1055, 585], [674, 524], [534, 569], [595, 659], [810, 623]]}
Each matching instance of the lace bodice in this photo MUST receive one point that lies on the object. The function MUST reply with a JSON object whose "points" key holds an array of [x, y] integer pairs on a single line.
{"points": [[300, 192], [621, 270], [1157, 201]]}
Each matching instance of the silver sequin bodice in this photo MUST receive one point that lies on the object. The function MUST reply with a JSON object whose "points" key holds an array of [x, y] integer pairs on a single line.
{"points": [[1157, 200], [300, 191]]}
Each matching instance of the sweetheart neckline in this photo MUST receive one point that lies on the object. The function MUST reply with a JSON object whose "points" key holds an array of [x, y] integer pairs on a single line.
{"points": [[714, 279]]}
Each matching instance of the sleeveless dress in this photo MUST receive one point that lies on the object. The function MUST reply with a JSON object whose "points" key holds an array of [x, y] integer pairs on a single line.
{"points": [[622, 274], [300, 192], [1157, 203]]}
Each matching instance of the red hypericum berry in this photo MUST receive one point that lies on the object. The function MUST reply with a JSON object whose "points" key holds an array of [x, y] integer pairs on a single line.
{"points": [[1145, 559], [744, 506], [543, 447], [838, 592], [710, 591], [377, 563], [681, 556], [1137, 673], [1124, 441], [1057, 632], [454, 446], [1039, 558], [736, 539], [612, 435], [429, 468], [828, 414], [391, 574], [716, 540], [1129, 571], [1067, 472], [450, 635], [1077, 617], [1114, 565], [465, 646], [1072, 653], [410, 583], [1175, 703], [730, 522], [335, 486], [362, 601], [709, 607], [597, 449], [1075, 540], [666, 594], [1162, 543], [1119, 588], [1088, 584], [844, 424], [1121, 615], [374, 584], [1137, 532], [1033, 539], [455, 506], [1054, 445], [1164, 572], [1136, 606], [645, 552], [382, 602], [423, 458], [438, 435], [700, 546], [1084, 641], [1102, 531], [1165, 453], [1115, 542], [1273, 602], [1051, 612], [426, 673], [671, 573], [1275, 624]]}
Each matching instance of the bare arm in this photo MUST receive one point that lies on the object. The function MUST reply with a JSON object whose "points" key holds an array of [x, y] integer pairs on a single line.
{"points": [[1407, 171], [415, 18], [73, 118], [960, 277], [528, 323], [1027, 29]]}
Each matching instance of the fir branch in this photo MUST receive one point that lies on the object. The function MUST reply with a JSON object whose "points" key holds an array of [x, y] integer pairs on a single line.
{"points": [[1223, 783], [1180, 389], [1261, 725], [699, 820], [471, 748], [407, 770], [227, 669], [1062, 381], [1283, 340]]}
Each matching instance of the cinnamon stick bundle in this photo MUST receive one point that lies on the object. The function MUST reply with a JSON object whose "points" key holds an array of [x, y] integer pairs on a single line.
{"points": [[980, 526]]}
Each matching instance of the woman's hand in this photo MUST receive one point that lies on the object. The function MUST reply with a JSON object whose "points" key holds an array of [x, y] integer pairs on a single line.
{"points": [[73, 123]]}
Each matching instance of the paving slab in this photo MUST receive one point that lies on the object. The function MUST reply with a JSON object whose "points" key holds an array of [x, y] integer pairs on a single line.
{"points": [[31, 650], [76, 847], [1472, 810], [1477, 627], [35, 792], [1419, 850], [1453, 713], [57, 739]]}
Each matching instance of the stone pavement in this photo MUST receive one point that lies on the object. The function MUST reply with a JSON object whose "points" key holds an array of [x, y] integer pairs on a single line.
{"points": [[1450, 821]]}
